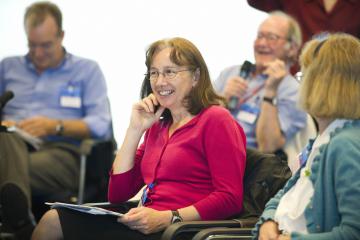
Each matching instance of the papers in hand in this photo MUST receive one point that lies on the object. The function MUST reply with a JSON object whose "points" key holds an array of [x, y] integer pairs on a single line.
{"points": [[33, 141], [84, 208]]}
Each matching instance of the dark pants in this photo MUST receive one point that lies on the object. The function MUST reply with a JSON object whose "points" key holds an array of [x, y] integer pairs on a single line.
{"points": [[51, 169], [78, 225]]}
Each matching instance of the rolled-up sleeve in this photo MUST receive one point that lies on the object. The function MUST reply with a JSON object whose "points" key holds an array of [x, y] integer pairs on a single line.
{"points": [[96, 105]]}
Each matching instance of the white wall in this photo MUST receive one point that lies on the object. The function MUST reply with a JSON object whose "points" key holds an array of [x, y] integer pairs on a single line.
{"points": [[116, 33]]}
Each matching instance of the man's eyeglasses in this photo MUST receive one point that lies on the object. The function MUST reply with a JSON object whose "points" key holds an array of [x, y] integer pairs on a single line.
{"points": [[298, 77], [270, 37], [169, 73]]}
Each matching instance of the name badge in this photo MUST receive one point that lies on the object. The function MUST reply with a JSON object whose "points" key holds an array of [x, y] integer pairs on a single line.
{"points": [[70, 97], [248, 114]]}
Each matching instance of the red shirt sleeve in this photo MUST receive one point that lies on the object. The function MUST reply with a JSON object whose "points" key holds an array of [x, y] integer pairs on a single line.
{"points": [[266, 5], [118, 191]]}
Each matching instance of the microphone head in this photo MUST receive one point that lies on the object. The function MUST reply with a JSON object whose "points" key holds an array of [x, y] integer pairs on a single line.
{"points": [[246, 68], [8, 95]]}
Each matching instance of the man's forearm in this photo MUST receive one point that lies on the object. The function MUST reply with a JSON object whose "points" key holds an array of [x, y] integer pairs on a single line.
{"points": [[268, 132], [75, 128]]}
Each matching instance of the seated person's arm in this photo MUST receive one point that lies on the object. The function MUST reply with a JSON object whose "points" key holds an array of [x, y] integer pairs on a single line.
{"points": [[266, 5], [42, 126], [147, 220], [268, 130], [8, 123]]}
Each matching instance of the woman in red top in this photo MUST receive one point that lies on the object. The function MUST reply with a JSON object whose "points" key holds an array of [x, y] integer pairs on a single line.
{"points": [[192, 158]]}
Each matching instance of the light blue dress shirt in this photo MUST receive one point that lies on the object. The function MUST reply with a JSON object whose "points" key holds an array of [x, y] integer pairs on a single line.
{"points": [[291, 118], [75, 89]]}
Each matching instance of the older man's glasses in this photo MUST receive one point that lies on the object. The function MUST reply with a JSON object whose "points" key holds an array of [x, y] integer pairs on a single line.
{"points": [[169, 73], [270, 37]]}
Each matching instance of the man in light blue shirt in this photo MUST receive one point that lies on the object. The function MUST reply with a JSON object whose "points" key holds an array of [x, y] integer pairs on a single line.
{"points": [[264, 102], [59, 97]]}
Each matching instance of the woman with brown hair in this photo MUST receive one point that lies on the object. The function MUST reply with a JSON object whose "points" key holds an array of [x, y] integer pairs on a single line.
{"points": [[191, 160]]}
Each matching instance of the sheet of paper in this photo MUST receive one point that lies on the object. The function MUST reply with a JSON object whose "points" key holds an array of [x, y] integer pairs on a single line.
{"points": [[84, 208], [34, 141]]}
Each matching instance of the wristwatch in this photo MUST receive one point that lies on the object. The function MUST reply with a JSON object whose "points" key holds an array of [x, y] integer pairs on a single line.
{"points": [[176, 216], [270, 100], [59, 128]]}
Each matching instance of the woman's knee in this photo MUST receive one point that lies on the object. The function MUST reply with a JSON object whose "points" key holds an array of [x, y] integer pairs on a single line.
{"points": [[49, 227]]}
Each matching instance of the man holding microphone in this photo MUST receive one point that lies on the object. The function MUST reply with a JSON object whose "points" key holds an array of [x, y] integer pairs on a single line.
{"points": [[262, 97]]}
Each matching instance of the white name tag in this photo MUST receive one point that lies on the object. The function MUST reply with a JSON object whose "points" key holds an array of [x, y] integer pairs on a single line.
{"points": [[246, 117], [70, 101]]}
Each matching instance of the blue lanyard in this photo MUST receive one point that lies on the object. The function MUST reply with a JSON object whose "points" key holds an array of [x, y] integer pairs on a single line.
{"points": [[304, 155], [147, 189]]}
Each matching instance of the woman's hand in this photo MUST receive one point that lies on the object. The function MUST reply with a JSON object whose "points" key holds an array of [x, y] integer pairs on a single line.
{"points": [[269, 231], [143, 114], [146, 220], [284, 237]]}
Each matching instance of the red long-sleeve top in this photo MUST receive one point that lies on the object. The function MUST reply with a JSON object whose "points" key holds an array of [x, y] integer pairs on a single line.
{"points": [[312, 16], [201, 164]]}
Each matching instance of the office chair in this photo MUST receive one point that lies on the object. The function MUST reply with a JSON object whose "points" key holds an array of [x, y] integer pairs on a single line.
{"points": [[95, 163], [96, 157], [224, 234], [265, 174]]}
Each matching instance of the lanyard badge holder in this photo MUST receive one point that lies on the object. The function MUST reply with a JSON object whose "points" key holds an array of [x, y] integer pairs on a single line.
{"points": [[70, 96], [145, 195]]}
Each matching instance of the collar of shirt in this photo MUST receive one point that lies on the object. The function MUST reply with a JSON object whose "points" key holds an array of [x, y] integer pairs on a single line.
{"points": [[65, 60], [325, 136]]}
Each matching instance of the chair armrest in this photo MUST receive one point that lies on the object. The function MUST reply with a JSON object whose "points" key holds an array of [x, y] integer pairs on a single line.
{"points": [[88, 144], [224, 233], [187, 227]]}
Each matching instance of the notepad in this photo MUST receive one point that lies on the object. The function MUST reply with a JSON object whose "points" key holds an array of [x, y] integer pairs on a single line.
{"points": [[84, 208]]}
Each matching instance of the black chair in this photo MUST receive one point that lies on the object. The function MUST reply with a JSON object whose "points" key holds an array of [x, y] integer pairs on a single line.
{"points": [[224, 234], [95, 163], [265, 174]]}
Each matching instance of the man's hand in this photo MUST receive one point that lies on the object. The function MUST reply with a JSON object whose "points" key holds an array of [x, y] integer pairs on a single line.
{"points": [[235, 86], [276, 71], [8, 123], [146, 220], [38, 126]]}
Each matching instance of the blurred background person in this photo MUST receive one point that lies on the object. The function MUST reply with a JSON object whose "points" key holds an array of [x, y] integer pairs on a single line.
{"points": [[315, 16], [60, 98], [321, 200], [265, 97]]}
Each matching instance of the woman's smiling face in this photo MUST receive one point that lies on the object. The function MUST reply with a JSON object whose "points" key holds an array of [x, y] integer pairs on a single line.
{"points": [[170, 83]]}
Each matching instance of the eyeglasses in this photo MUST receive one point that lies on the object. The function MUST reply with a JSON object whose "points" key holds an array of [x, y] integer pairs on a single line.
{"points": [[270, 37], [298, 76], [169, 73]]}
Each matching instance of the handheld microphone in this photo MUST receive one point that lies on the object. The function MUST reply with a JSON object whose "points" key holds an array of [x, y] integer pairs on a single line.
{"points": [[245, 70], [3, 100], [7, 96]]}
